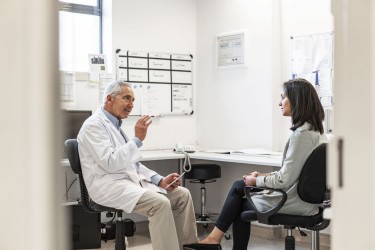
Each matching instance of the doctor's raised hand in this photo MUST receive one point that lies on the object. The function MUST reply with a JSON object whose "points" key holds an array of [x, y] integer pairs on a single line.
{"points": [[141, 127]]}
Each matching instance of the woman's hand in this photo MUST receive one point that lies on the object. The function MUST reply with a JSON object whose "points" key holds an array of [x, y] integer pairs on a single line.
{"points": [[250, 180], [255, 173]]}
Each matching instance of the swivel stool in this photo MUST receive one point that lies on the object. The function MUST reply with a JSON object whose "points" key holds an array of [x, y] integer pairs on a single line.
{"points": [[203, 173]]}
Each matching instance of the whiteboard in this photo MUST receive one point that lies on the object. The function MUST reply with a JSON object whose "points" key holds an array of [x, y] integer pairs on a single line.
{"points": [[312, 59], [162, 83]]}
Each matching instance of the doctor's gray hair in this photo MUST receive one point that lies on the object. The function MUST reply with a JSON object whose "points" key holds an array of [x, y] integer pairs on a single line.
{"points": [[114, 89]]}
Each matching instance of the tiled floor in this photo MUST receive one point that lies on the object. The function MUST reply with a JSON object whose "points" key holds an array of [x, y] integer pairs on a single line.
{"points": [[141, 241]]}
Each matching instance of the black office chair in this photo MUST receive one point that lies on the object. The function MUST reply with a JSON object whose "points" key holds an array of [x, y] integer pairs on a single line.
{"points": [[312, 188], [203, 173], [71, 149]]}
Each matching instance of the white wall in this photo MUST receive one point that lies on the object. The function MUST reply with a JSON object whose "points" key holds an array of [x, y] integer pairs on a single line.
{"points": [[159, 26], [234, 105], [301, 17], [234, 108], [239, 107]]}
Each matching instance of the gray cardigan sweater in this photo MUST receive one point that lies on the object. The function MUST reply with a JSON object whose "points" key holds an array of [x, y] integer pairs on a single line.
{"points": [[298, 148]]}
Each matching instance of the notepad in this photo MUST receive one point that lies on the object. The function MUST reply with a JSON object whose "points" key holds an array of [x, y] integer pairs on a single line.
{"points": [[257, 152], [216, 151]]}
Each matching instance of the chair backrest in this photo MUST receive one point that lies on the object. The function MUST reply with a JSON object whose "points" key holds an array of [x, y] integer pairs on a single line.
{"points": [[312, 181], [71, 149]]}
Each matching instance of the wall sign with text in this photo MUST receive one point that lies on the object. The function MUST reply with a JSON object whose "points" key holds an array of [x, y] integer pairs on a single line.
{"points": [[231, 49]]}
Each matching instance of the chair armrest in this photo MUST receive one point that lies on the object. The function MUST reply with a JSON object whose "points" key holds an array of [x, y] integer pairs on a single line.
{"points": [[263, 216]]}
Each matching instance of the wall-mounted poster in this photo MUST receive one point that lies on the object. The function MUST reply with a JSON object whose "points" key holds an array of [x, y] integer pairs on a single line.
{"points": [[231, 49]]}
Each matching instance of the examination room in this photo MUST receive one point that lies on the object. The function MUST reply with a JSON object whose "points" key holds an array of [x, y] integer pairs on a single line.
{"points": [[194, 103]]}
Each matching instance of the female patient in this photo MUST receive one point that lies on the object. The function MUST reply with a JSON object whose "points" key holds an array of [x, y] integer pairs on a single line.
{"points": [[300, 101]]}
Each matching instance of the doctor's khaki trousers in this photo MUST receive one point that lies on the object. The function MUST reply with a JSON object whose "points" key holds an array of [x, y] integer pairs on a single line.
{"points": [[171, 218]]}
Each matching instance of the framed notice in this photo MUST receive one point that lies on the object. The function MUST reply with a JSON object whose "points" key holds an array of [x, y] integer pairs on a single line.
{"points": [[231, 48]]}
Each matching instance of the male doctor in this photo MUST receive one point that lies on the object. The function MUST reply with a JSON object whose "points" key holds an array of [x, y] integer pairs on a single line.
{"points": [[115, 178]]}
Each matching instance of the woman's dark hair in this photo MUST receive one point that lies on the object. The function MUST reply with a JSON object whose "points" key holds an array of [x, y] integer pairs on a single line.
{"points": [[305, 104]]}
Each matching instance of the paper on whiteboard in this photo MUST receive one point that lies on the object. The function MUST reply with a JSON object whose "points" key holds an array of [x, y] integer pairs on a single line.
{"points": [[311, 53], [154, 99], [182, 99], [137, 90], [312, 59], [67, 86], [104, 80]]}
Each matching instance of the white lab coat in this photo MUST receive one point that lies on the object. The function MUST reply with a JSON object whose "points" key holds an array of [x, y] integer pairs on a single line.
{"points": [[111, 169]]}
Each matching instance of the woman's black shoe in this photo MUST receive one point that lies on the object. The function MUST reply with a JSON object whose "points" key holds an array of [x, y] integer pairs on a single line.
{"points": [[200, 246]]}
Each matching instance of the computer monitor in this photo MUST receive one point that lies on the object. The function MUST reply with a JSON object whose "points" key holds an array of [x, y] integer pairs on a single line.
{"points": [[72, 121]]}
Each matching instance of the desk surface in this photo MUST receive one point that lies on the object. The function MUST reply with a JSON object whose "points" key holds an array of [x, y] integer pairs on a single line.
{"points": [[151, 155], [235, 158], [154, 155], [157, 155]]}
